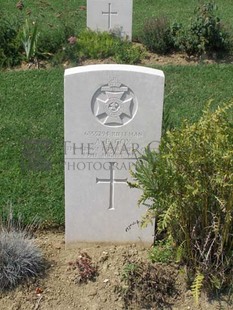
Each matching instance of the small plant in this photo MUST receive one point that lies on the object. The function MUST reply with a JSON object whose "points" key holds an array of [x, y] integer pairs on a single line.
{"points": [[146, 285], [196, 286], [96, 45], [68, 53], [128, 270], [99, 45], [206, 33], [87, 271], [157, 35], [50, 43], [56, 45], [20, 259], [29, 37], [10, 52], [126, 53], [162, 252]]}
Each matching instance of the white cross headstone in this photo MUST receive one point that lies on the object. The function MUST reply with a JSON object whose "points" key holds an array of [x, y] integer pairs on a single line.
{"points": [[110, 15], [111, 113]]}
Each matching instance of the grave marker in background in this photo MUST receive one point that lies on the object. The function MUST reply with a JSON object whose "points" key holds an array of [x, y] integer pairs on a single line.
{"points": [[111, 111], [110, 15]]}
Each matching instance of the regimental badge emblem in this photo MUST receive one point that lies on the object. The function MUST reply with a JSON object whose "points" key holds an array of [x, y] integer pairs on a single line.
{"points": [[114, 104]]}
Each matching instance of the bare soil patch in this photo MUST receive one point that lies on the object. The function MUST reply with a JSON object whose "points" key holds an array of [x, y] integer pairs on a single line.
{"points": [[149, 59], [59, 289], [183, 59]]}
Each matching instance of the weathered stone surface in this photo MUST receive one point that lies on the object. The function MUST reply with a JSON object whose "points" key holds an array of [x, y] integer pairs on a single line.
{"points": [[111, 112]]}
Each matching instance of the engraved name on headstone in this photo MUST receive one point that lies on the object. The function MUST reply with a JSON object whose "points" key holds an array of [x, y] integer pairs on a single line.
{"points": [[111, 113]]}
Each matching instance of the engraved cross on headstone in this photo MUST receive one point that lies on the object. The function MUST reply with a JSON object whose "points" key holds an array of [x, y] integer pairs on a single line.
{"points": [[109, 14], [111, 181]]}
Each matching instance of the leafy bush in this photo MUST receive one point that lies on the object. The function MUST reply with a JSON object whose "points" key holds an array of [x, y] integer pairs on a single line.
{"points": [[96, 45], [68, 53], [126, 53], [206, 33], [189, 183], [157, 35], [99, 45], [50, 43], [10, 51]]}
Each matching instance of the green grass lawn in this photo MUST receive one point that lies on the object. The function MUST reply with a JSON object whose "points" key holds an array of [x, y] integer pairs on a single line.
{"points": [[177, 11], [31, 102], [52, 15], [31, 106], [32, 110], [189, 88]]}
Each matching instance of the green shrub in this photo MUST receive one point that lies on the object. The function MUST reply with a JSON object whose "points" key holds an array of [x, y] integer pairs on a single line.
{"points": [[206, 33], [50, 43], [10, 45], [99, 45], [53, 41], [126, 53], [189, 183], [96, 45], [68, 53], [157, 35]]}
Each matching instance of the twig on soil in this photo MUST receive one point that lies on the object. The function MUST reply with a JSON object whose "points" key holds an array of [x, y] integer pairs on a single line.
{"points": [[38, 302]]}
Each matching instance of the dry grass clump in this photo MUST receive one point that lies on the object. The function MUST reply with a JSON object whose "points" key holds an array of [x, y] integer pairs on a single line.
{"points": [[20, 258]]}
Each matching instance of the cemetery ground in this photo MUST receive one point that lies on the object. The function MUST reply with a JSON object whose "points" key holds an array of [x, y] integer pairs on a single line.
{"points": [[60, 288], [32, 162], [34, 192]]}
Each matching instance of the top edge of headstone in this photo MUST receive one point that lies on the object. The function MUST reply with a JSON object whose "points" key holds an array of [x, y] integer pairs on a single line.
{"points": [[113, 67]]}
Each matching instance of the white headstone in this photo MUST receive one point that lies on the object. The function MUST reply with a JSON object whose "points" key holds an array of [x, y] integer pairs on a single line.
{"points": [[111, 111], [110, 15]]}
